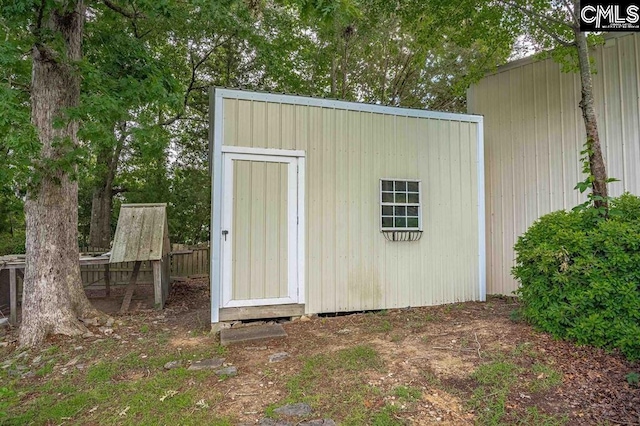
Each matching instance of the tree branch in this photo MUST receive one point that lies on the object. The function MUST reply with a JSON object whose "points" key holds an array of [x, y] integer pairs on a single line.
{"points": [[573, 11], [122, 11], [194, 73], [116, 191], [553, 35], [40, 17]]}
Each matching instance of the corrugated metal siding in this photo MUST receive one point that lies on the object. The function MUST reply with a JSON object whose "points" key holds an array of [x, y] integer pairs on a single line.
{"points": [[260, 236], [533, 137], [349, 264]]}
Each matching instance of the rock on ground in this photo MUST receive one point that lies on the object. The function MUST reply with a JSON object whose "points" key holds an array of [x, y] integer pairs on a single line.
{"points": [[227, 371], [280, 356], [318, 422], [299, 409], [173, 364], [206, 364]]}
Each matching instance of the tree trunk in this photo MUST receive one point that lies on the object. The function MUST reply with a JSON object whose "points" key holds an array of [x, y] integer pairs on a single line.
{"points": [[596, 162], [53, 296], [344, 67], [100, 227], [102, 200], [334, 77]]}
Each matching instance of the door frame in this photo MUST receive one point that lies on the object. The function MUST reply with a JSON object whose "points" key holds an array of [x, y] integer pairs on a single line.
{"points": [[294, 205], [218, 172]]}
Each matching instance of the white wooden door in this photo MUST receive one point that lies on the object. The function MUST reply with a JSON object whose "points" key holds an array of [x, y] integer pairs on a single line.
{"points": [[261, 229]]}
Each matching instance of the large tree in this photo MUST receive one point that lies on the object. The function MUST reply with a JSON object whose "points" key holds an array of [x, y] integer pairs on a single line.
{"points": [[72, 103], [53, 298]]}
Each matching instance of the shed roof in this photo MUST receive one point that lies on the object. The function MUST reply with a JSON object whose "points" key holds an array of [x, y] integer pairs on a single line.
{"points": [[142, 233]]}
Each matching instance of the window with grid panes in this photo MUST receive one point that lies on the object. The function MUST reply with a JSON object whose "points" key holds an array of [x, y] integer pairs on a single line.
{"points": [[400, 204]]}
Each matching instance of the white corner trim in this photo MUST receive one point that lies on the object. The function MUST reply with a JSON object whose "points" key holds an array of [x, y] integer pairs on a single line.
{"points": [[344, 105], [301, 231], [263, 151], [482, 248], [216, 116]]}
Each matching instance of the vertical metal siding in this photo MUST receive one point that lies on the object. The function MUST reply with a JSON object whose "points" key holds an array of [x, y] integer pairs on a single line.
{"points": [[533, 137], [260, 236], [349, 264]]}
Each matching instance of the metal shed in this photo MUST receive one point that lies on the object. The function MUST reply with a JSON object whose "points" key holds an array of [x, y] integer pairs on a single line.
{"points": [[329, 206], [534, 133], [142, 234]]}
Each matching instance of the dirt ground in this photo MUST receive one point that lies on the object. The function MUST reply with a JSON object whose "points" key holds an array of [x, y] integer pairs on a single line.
{"points": [[436, 351]]}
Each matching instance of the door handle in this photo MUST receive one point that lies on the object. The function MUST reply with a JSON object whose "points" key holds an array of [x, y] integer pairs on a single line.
{"points": [[225, 232]]}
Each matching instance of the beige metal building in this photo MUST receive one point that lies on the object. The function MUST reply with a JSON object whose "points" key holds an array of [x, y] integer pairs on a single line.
{"points": [[534, 134], [329, 206]]}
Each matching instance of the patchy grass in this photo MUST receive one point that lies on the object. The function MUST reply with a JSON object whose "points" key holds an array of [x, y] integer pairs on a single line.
{"points": [[546, 377], [102, 372], [489, 399], [320, 383], [533, 416], [384, 326], [407, 393], [385, 417], [497, 380], [131, 389], [459, 364]]}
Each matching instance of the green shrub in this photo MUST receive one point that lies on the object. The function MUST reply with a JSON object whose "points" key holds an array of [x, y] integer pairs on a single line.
{"points": [[580, 276]]}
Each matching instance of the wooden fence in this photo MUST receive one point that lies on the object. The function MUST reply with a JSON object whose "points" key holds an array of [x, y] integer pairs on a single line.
{"points": [[185, 262]]}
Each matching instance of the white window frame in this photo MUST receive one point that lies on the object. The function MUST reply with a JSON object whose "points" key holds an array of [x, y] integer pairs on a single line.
{"points": [[418, 204]]}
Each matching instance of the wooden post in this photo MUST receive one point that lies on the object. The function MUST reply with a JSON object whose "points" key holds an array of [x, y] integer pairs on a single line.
{"points": [[13, 297], [157, 283], [132, 285], [107, 280]]}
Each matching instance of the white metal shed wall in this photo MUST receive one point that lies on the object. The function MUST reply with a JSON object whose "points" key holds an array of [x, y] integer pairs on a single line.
{"points": [[533, 137], [349, 264]]}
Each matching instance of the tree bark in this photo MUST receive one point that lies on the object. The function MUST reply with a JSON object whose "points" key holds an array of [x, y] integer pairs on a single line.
{"points": [[100, 227], [596, 161], [102, 199], [53, 295], [334, 77]]}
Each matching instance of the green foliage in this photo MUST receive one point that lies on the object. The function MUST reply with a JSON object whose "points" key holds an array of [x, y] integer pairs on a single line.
{"points": [[146, 72], [580, 276], [12, 244], [633, 378], [12, 222], [411, 53], [515, 315], [597, 205]]}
